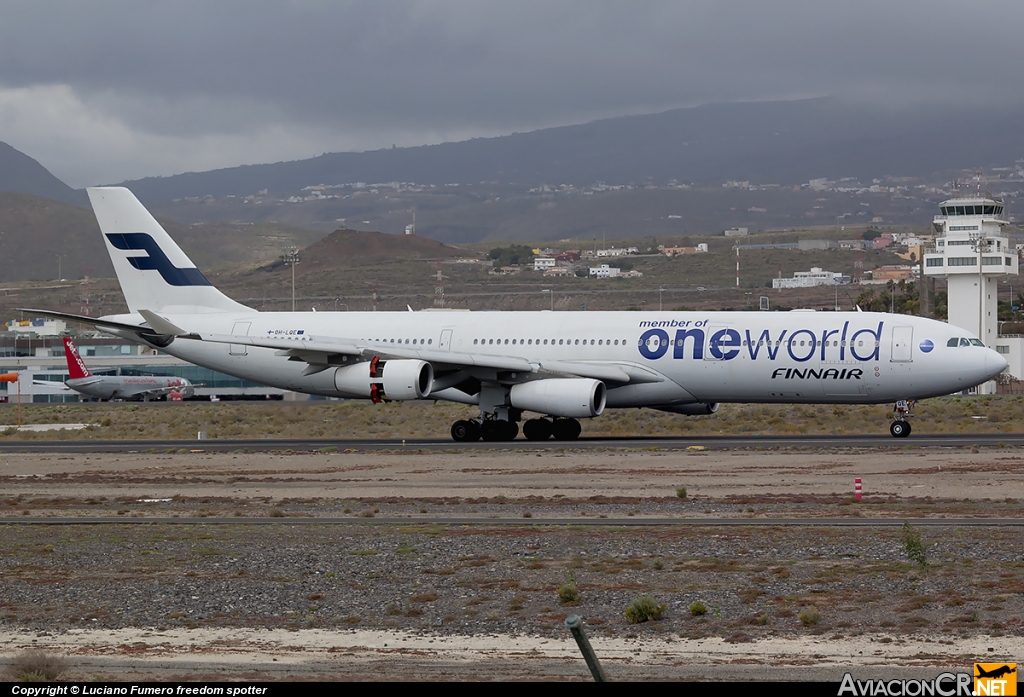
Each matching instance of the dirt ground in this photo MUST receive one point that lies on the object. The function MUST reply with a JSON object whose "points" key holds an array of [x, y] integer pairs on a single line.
{"points": [[369, 601]]}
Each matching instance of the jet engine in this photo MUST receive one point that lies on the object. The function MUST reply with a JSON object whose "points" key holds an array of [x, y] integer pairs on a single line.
{"points": [[380, 380], [698, 409], [570, 397]]}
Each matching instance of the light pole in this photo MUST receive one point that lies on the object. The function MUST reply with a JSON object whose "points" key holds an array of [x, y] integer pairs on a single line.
{"points": [[291, 258], [660, 291]]}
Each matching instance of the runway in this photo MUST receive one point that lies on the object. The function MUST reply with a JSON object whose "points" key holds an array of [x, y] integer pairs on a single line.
{"points": [[874, 523], [878, 441]]}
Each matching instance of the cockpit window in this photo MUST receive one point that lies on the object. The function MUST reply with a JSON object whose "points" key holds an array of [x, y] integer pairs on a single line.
{"points": [[965, 342], [977, 342], [953, 342]]}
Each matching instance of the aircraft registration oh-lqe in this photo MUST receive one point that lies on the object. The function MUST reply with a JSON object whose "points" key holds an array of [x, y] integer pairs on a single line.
{"points": [[562, 366], [144, 387]]}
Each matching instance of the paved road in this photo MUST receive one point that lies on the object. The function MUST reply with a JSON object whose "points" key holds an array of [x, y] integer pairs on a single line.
{"points": [[924, 440], [520, 522]]}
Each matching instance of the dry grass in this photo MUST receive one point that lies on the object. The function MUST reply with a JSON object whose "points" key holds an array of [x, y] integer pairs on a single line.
{"points": [[328, 419], [37, 666]]}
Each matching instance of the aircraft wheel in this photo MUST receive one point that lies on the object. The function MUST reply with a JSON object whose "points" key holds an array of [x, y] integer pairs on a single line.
{"points": [[566, 429], [509, 430], [465, 432], [899, 429], [537, 429], [490, 431]]}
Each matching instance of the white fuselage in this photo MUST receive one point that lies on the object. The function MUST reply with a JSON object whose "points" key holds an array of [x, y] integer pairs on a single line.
{"points": [[792, 357], [129, 387]]}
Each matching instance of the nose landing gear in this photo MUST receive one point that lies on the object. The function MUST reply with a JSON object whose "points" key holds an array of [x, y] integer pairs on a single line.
{"points": [[900, 427]]}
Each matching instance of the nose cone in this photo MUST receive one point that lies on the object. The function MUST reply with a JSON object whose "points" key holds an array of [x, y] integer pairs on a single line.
{"points": [[994, 363]]}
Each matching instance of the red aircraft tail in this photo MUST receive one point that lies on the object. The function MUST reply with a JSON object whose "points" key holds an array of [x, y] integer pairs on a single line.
{"points": [[76, 366]]}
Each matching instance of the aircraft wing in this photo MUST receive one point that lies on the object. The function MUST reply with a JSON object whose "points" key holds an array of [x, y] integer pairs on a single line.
{"points": [[96, 322]]}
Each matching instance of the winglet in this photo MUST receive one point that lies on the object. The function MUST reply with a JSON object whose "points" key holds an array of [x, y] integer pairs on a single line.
{"points": [[161, 325]]}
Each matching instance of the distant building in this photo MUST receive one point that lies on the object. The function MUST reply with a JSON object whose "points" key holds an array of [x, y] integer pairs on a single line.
{"points": [[808, 245], [701, 248], [38, 327], [736, 232], [543, 263], [617, 252], [884, 274], [809, 279], [605, 271], [559, 271]]}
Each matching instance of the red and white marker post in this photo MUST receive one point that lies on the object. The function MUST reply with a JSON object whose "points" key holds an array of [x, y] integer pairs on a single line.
{"points": [[857, 491]]}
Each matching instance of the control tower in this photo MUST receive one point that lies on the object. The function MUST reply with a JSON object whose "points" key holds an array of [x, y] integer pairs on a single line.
{"points": [[972, 251]]}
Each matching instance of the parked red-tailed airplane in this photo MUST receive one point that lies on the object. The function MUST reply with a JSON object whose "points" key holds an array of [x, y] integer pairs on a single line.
{"points": [[143, 387]]}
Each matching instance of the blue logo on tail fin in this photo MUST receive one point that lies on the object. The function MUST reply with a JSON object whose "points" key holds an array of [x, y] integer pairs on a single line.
{"points": [[157, 260]]}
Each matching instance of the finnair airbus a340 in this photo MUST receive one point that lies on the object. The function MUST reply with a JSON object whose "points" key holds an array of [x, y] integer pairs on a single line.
{"points": [[562, 366]]}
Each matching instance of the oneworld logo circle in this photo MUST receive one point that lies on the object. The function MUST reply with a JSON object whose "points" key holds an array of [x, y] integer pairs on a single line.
{"points": [[927, 345]]}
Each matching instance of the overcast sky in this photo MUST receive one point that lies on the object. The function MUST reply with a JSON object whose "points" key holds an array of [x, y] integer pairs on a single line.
{"points": [[100, 92]]}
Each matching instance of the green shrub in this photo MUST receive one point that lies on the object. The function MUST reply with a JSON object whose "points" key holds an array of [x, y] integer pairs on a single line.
{"points": [[914, 546], [697, 608], [809, 616], [569, 593], [643, 609], [681, 492]]}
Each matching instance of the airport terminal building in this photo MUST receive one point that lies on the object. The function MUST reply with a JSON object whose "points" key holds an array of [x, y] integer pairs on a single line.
{"points": [[39, 359]]}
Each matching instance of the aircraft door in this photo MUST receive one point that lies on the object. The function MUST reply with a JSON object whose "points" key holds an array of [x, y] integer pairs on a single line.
{"points": [[902, 344], [446, 340], [713, 351], [240, 329]]}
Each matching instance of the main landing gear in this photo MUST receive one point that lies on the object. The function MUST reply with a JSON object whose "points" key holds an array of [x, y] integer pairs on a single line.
{"points": [[900, 427], [470, 431]]}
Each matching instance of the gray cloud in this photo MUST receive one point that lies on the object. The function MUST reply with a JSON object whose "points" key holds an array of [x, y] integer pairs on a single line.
{"points": [[101, 91]]}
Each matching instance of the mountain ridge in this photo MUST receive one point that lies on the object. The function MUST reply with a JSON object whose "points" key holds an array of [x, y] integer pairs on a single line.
{"points": [[781, 142]]}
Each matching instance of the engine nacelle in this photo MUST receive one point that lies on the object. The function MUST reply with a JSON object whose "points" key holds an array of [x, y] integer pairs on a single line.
{"points": [[699, 409], [380, 380], [571, 397]]}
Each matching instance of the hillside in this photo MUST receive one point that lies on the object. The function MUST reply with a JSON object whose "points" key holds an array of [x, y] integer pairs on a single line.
{"points": [[20, 174], [781, 142], [35, 231], [346, 248]]}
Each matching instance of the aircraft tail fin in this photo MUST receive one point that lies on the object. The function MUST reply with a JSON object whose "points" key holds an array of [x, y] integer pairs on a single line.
{"points": [[76, 366], [153, 271]]}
